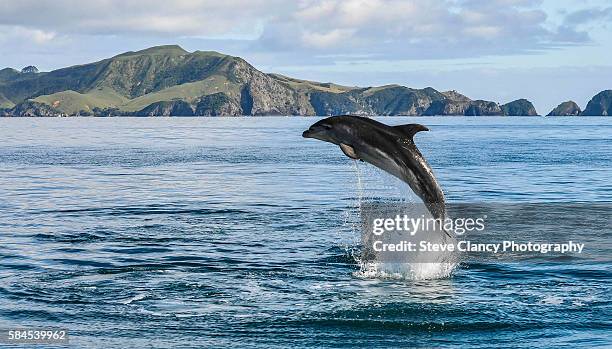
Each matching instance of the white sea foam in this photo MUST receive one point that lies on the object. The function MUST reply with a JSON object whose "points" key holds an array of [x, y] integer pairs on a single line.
{"points": [[136, 298], [408, 271]]}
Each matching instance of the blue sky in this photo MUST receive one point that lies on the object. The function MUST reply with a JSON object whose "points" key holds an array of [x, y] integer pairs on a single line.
{"points": [[547, 51]]}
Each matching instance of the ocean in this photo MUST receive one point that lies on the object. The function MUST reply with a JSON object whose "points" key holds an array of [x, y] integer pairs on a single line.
{"points": [[238, 232]]}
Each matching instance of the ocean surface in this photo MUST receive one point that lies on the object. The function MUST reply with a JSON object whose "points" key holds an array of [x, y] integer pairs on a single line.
{"points": [[237, 232]]}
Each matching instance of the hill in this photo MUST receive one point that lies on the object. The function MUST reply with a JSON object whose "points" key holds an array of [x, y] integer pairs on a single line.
{"points": [[167, 80]]}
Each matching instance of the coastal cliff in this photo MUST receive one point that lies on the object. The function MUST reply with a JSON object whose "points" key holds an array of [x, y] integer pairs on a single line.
{"points": [[169, 81]]}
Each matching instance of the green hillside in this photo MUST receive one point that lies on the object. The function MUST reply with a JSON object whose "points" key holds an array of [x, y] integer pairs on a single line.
{"points": [[5, 103], [72, 102], [305, 85], [188, 92], [131, 74], [166, 80]]}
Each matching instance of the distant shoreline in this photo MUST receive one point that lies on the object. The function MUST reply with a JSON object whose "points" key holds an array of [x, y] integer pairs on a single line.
{"points": [[301, 116], [169, 81]]}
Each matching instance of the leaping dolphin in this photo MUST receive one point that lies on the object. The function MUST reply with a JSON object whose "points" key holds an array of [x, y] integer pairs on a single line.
{"points": [[390, 148]]}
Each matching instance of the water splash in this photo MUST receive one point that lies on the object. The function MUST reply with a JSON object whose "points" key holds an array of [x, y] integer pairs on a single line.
{"points": [[359, 184], [408, 271], [383, 189]]}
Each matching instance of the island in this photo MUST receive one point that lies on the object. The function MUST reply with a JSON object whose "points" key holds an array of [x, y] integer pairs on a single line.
{"points": [[568, 108], [169, 81]]}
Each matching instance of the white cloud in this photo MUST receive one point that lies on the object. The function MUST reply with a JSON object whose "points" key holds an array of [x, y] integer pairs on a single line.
{"points": [[327, 39], [408, 29], [24, 34], [125, 17], [40, 36], [381, 29]]}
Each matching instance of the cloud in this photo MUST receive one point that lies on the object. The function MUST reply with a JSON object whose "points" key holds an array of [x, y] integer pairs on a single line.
{"points": [[309, 29], [589, 15], [410, 29], [22, 34], [326, 39], [137, 17], [576, 25]]}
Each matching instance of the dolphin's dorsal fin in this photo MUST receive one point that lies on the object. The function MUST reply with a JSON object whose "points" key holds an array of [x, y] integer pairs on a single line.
{"points": [[409, 130]]}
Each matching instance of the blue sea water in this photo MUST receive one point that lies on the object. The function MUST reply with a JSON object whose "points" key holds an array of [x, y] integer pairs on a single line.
{"points": [[233, 232]]}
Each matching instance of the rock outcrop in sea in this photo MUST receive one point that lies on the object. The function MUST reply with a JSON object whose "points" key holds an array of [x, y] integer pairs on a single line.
{"points": [[600, 104], [519, 107], [569, 108]]}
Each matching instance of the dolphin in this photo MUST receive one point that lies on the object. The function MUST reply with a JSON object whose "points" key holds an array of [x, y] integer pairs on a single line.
{"points": [[390, 148]]}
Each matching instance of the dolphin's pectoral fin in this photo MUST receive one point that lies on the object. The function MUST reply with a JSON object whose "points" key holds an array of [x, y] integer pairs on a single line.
{"points": [[349, 151], [409, 130]]}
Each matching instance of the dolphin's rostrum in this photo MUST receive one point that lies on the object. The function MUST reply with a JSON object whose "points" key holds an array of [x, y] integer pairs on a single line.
{"points": [[390, 148]]}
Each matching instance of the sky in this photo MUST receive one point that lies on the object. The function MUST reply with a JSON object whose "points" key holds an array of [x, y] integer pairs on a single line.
{"points": [[547, 51]]}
